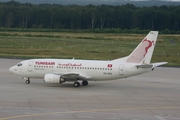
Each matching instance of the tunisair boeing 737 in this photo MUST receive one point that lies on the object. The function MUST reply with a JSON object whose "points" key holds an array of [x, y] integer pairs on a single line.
{"points": [[65, 70]]}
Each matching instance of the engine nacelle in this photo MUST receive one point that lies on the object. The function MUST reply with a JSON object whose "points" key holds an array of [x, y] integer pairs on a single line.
{"points": [[52, 78]]}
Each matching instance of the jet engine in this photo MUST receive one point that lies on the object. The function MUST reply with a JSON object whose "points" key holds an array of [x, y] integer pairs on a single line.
{"points": [[52, 78]]}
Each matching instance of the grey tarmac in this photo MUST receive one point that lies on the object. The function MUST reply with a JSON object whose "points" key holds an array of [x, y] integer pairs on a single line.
{"points": [[151, 96]]}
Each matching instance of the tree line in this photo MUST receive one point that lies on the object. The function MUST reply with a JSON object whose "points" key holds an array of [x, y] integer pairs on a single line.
{"points": [[54, 16]]}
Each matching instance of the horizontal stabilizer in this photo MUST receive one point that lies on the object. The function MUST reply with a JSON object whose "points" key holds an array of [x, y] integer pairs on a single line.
{"points": [[158, 64], [152, 65]]}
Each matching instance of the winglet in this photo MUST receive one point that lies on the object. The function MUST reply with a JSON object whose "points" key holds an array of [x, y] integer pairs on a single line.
{"points": [[143, 52]]}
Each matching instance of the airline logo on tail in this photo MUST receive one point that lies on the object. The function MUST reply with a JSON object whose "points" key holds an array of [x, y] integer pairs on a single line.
{"points": [[149, 46], [140, 53]]}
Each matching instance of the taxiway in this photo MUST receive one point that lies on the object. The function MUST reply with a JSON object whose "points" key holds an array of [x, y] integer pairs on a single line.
{"points": [[151, 96]]}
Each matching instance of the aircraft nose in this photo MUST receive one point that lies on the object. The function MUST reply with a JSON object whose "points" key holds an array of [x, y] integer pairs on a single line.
{"points": [[12, 69]]}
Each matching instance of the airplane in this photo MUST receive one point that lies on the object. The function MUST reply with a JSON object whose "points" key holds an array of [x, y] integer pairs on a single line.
{"points": [[58, 71]]}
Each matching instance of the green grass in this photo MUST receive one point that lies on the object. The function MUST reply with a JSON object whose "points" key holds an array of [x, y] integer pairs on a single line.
{"points": [[99, 46]]}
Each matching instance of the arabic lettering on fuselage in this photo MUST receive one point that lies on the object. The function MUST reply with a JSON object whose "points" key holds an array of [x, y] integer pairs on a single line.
{"points": [[45, 63], [69, 64]]}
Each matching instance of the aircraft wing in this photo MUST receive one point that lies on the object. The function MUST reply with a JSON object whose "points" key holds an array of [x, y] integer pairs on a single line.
{"points": [[73, 76]]}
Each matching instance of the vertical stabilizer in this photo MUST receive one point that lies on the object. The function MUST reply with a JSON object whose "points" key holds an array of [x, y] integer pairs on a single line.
{"points": [[143, 52]]}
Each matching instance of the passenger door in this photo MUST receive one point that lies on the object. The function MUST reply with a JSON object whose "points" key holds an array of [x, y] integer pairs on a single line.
{"points": [[30, 66], [121, 69]]}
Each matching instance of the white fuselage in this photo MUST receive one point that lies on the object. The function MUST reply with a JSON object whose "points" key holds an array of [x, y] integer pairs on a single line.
{"points": [[62, 70], [91, 69]]}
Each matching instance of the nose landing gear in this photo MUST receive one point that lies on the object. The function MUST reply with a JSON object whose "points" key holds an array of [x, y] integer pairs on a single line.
{"points": [[28, 81]]}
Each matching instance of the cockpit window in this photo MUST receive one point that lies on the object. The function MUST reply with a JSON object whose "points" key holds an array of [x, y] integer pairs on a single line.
{"points": [[19, 64]]}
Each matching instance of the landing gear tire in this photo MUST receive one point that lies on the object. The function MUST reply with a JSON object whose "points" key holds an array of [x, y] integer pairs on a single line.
{"points": [[27, 81], [76, 84], [85, 83]]}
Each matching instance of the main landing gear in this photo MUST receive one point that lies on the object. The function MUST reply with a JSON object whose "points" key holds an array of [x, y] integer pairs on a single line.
{"points": [[27, 81], [84, 83], [76, 84]]}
